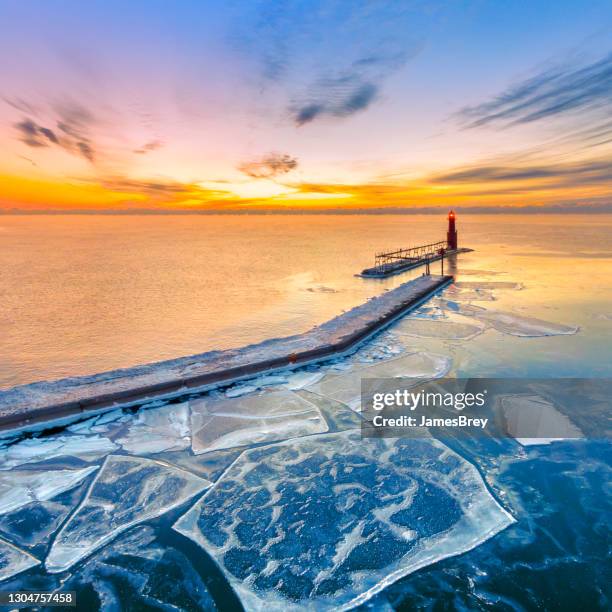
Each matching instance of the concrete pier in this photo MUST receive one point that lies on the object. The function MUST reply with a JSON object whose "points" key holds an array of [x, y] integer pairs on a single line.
{"points": [[29, 406]]}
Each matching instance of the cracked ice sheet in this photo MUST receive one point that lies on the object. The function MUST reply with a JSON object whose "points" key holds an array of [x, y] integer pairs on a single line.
{"points": [[218, 423], [155, 430], [13, 560], [19, 488], [328, 521], [126, 492], [532, 420], [346, 388], [33, 450]]}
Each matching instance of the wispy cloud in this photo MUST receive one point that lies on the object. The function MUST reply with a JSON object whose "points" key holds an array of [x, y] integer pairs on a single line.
{"points": [[86, 150], [166, 193], [34, 135], [156, 187], [340, 97], [551, 93], [330, 59], [269, 166], [72, 131], [76, 122], [21, 105], [148, 147], [487, 184], [351, 89], [593, 172]]}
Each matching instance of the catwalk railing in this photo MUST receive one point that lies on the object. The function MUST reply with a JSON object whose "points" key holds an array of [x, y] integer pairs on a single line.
{"points": [[412, 254]]}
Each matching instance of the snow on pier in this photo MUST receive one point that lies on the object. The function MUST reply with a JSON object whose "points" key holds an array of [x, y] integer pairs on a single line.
{"points": [[27, 405]]}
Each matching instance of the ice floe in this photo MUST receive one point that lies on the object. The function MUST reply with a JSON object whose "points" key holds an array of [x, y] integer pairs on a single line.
{"points": [[469, 294], [33, 450], [287, 379], [321, 289], [18, 488], [511, 323], [155, 430], [488, 285], [303, 378], [431, 311], [534, 420], [99, 424], [159, 577], [35, 523], [346, 387], [516, 325], [270, 380], [13, 560], [423, 328], [238, 390], [126, 491], [327, 521], [219, 423], [472, 272], [384, 347], [339, 416], [209, 465]]}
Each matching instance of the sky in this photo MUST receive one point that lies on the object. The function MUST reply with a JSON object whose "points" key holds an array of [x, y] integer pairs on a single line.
{"points": [[304, 104]]}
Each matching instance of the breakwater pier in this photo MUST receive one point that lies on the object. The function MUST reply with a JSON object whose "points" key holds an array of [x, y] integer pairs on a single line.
{"points": [[27, 406]]}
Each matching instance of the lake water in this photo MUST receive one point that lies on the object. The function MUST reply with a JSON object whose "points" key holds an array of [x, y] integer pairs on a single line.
{"points": [[84, 294]]}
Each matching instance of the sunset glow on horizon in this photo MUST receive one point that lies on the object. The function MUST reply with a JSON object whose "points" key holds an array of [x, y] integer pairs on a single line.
{"points": [[320, 105]]}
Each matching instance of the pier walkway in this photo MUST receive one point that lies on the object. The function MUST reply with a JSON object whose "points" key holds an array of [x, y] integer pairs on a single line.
{"points": [[389, 264], [27, 406]]}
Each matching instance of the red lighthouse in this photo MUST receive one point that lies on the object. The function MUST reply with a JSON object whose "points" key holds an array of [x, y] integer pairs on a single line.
{"points": [[451, 235]]}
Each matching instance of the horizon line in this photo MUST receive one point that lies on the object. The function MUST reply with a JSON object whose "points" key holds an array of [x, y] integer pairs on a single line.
{"points": [[544, 209]]}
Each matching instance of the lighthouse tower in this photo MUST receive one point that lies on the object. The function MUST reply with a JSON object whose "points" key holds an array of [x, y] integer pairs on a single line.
{"points": [[451, 235]]}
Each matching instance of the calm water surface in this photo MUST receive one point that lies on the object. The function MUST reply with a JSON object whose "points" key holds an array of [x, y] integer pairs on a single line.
{"points": [[83, 294]]}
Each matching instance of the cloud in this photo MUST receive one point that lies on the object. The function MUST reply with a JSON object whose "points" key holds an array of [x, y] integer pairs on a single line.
{"points": [[76, 123], [35, 135], [72, 132], [21, 105], [75, 118], [269, 166], [551, 93], [28, 160], [159, 188], [597, 171], [148, 147], [330, 59], [49, 134], [86, 150], [161, 192], [336, 97]]}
